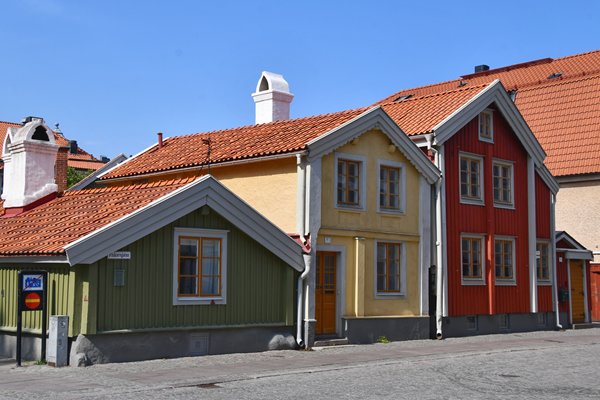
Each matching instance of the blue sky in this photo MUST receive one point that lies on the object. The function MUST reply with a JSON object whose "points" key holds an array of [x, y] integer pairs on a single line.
{"points": [[114, 73]]}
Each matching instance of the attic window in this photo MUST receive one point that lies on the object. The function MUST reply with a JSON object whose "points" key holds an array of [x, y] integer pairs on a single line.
{"points": [[555, 75], [40, 134], [403, 97], [264, 84]]}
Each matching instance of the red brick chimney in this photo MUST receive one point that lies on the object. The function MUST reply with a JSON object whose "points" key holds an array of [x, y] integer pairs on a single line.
{"points": [[60, 168]]}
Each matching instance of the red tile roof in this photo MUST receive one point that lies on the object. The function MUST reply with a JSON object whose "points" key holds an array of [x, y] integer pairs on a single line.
{"points": [[45, 230], [563, 111], [417, 115], [245, 142]]}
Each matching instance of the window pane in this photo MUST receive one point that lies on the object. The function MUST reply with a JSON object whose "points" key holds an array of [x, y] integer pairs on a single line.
{"points": [[188, 266], [210, 266], [210, 286], [187, 285], [211, 248], [188, 247]]}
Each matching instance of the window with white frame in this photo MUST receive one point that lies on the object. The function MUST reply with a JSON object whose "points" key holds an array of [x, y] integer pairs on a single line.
{"points": [[390, 268], [503, 179], [504, 260], [349, 181], [543, 262], [472, 258], [391, 186], [486, 126], [200, 266], [471, 179]]}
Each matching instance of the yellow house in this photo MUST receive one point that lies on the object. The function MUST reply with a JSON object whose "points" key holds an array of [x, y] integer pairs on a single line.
{"points": [[351, 186]]}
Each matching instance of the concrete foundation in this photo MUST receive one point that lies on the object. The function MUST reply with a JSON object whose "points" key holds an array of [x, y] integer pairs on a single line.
{"points": [[369, 330], [498, 323], [31, 346]]}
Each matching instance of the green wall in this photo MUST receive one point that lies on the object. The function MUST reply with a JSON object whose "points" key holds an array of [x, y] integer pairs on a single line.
{"points": [[260, 287]]}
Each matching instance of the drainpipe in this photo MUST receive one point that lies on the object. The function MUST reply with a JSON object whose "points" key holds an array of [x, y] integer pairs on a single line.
{"points": [[300, 226], [438, 243], [553, 258]]}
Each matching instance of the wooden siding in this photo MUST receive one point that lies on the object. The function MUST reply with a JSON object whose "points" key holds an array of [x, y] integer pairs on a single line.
{"points": [[260, 287], [486, 220], [58, 295], [542, 229]]}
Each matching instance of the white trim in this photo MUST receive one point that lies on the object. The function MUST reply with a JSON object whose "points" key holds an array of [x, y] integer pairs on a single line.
{"points": [[547, 177], [199, 233], [570, 290], [401, 190], [480, 159], [510, 164], [444, 233], [424, 243], [164, 210], [490, 112], [340, 294], [502, 281], [575, 254], [362, 184], [562, 235], [387, 295], [474, 281], [532, 235]]}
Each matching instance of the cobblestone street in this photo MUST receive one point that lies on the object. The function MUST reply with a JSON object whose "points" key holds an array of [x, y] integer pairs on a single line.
{"points": [[548, 365]]}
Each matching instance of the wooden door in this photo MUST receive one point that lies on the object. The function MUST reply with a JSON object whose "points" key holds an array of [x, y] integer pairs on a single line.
{"points": [[595, 296], [577, 295], [325, 295]]}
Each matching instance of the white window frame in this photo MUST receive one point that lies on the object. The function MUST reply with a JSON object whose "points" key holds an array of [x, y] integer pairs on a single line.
{"points": [[547, 282], [479, 201], [513, 280], [362, 184], [487, 112], [402, 188], [511, 165], [473, 281], [199, 233], [402, 292]]}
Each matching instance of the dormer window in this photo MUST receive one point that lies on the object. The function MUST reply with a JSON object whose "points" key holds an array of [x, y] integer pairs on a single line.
{"points": [[486, 126]]}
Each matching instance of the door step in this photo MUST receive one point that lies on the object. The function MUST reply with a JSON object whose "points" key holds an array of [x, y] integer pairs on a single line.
{"points": [[585, 325], [330, 342]]}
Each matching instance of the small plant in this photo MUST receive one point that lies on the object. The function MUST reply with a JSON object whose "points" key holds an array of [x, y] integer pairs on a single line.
{"points": [[41, 362], [383, 339]]}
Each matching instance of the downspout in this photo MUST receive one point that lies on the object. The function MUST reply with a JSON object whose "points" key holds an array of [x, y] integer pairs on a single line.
{"points": [[438, 242], [553, 258], [301, 227]]}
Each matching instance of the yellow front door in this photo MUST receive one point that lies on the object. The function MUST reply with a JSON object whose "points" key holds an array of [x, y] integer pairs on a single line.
{"points": [[325, 296], [577, 296]]}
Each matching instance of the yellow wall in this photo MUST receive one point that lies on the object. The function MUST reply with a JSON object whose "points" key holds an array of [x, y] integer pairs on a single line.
{"points": [[268, 186], [341, 226]]}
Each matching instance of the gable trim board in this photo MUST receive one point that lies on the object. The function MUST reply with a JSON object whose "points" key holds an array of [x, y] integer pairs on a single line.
{"points": [[374, 118], [91, 178], [203, 191]]}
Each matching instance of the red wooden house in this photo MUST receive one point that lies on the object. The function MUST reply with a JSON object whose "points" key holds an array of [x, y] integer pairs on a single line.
{"points": [[495, 208]]}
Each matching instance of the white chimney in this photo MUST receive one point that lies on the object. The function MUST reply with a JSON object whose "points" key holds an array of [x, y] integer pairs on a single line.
{"points": [[272, 98], [29, 157]]}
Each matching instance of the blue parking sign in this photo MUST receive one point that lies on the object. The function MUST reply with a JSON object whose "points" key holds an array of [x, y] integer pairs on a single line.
{"points": [[32, 282]]}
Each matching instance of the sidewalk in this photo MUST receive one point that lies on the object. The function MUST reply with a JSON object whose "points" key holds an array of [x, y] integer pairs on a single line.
{"points": [[127, 378]]}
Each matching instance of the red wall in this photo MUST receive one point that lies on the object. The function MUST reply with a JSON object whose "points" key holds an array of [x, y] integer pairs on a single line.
{"points": [[542, 226], [563, 278], [488, 220]]}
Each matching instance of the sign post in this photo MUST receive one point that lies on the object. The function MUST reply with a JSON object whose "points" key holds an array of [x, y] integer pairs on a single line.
{"points": [[32, 297]]}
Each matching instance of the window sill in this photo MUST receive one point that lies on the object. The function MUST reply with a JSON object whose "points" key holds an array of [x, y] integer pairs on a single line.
{"points": [[485, 139], [196, 301], [499, 282], [398, 213], [472, 202], [349, 208], [504, 206], [384, 296], [473, 282], [544, 283]]}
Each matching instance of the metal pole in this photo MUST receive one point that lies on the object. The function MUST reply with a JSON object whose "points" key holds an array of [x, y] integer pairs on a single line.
{"points": [[44, 314], [19, 321]]}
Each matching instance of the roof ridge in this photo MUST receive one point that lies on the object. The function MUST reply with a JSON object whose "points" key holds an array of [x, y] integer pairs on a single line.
{"points": [[460, 89], [8, 122], [578, 55], [560, 80], [278, 122]]}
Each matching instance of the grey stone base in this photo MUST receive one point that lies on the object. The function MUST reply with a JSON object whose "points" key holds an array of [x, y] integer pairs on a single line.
{"points": [[370, 329], [497, 323], [31, 346], [122, 347]]}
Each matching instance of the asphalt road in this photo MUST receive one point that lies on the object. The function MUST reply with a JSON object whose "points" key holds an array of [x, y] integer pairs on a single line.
{"points": [[544, 365]]}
